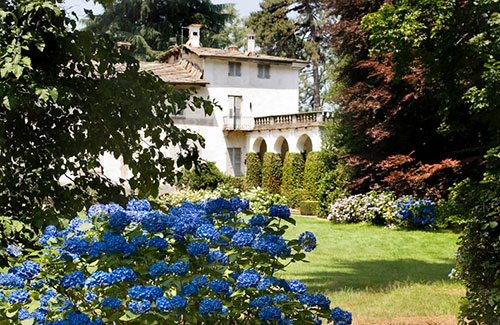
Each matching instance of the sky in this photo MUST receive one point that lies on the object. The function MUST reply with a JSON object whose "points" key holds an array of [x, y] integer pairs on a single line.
{"points": [[245, 7]]}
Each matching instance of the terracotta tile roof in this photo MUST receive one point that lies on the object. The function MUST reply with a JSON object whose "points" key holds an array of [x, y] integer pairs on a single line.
{"points": [[181, 72], [211, 52]]}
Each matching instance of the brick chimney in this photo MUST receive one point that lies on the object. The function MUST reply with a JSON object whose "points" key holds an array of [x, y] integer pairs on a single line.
{"points": [[194, 35], [251, 42]]}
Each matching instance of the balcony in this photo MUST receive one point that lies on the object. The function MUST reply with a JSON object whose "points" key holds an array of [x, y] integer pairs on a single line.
{"points": [[272, 122]]}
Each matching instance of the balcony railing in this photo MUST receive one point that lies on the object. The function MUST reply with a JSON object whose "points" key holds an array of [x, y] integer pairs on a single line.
{"points": [[276, 121]]}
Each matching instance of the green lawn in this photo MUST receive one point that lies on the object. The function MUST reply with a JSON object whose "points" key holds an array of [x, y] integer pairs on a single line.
{"points": [[379, 273]]}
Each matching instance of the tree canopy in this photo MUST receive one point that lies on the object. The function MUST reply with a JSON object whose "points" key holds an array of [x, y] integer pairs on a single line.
{"points": [[69, 96], [149, 25], [414, 75]]}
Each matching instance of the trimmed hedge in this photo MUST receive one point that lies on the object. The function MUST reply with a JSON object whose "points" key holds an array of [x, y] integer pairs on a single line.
{"points": [[253, 177], [202, 177], [293, 176], [272, 170], [309, 208], [313, 172]]}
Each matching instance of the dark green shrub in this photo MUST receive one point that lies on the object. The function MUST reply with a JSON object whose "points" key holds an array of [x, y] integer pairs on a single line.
{"points": [[236, 182], [14, 231], [253, 175], [309, 208], [333, 185], [272, 172], [202, 177], [478, 258], [293, 175], [313, 171]]}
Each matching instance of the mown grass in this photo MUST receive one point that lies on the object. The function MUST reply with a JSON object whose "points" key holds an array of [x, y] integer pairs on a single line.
{"points": [[379, 273]]}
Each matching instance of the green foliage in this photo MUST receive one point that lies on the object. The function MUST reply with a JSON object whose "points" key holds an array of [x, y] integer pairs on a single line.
{"points": [[293, 177], [14, 231], [478, 258], [236, 182], [253, 177], [309, 208], [313, 171], [149, 25], [333, 185], [205, 176], [67, 98], [272, 170]]}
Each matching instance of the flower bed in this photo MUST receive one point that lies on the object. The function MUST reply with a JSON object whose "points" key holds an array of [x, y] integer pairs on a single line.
{"points": [[384, 209], [200, 263]]}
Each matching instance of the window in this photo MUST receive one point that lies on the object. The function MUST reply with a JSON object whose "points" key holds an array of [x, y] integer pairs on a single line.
{"points": [[234, 69], [235, 157], [264, 71], [235, 109]]}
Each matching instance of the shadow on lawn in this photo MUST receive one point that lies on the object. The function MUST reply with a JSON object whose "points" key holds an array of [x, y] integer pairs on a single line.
{"points": [[377, 275]]}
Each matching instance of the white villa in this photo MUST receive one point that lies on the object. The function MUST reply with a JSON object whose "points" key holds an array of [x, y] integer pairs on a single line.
{"points": [[259, 96]]}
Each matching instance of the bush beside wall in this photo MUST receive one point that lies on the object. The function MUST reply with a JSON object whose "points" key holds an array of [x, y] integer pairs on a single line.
{"points": [[309, 208], [205, 176], [293, 175], [272, 172], [253, 177], [313, 171]]}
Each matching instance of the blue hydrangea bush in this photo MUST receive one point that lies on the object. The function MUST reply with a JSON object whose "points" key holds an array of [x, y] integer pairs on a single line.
{"points": [[204, 263], [414, 213]]}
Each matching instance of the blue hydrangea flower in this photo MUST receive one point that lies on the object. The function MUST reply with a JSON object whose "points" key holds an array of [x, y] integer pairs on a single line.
{"points": [[154, 221], [119, 220], [321, 301], [138, 205], [11, 280], [338, 315], [219, 286], [114, 303], [270, 313], [164, 304], [280, 211], [40, 314], [76, 317], [273, 244], [257, 221], [158, 269], [112, 208], [227, 231], [179, 302], [90, 296], [76, 245], [98, 278], [15, 250], [217, 257], [297, 287], [281, 297], [113, 243], [200, 281], [210, 306], [264, 283], [46, 297], [198, 248], [179, 268], [23, 314], [242, 238], [188, 290], [307, 299], [217, 206], [96, 249], [2, 297], [149, 293], [261, 301], [139, 307], [207, 231], [140, 241], [307, 241], [98, 210], [129, 249], [158, 242], [50, 231], [18, 296], [75, 279], [248, 279], [26, 271], [125, 274]]}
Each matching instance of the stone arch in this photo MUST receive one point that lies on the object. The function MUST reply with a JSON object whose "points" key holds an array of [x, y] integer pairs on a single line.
{"points": [[281, 147], [304, 144], [260, 147]]}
